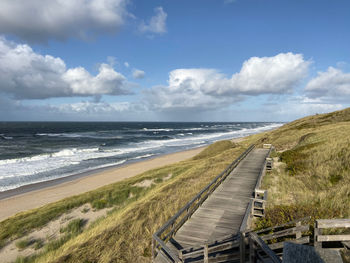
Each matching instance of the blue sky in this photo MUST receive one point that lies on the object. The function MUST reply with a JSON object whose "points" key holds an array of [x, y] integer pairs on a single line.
{"points": [[207, 60]]}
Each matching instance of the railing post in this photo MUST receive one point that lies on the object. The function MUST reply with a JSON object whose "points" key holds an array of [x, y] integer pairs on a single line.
{"points": [[206, 256], [242, 245], [317, 232], [298, 234], [251, 251], [180, 256]]}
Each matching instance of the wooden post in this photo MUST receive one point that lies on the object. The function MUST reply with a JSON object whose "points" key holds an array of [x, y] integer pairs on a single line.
{"points": [[298, 234], [242, 247], [251, 251], [317, 232], [180, 256], [206, 256]]}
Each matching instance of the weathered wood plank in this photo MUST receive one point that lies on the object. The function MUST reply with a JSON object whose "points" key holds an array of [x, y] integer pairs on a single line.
{"points": [[285, 232], [303, 240], [333, 238], [333, 223]]}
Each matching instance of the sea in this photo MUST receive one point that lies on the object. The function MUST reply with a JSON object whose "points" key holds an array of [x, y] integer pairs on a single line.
{"points": [[33, 152]]}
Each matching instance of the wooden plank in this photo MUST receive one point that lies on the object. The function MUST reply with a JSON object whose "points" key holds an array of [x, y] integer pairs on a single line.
{"points": [[303, 240], [333, 223], [323, 238], [285, 232], [283, 225]]}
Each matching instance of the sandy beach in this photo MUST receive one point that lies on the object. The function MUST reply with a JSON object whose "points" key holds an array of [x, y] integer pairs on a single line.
{"points": [[37, 195]]}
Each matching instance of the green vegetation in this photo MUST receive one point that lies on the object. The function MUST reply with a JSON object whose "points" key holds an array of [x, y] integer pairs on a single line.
{"points": [[23, 243], [137, 211], [74, 227], [312, 176]]}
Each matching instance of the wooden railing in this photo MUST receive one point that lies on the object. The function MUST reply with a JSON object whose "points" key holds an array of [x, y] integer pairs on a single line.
{"points": [[256, 206], [295, 231], [169, 229], [259, 251], [225, 248], [322, 224]]}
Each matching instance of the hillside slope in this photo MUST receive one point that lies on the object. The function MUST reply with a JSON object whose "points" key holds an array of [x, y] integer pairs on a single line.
{"points": [[312, 168]]}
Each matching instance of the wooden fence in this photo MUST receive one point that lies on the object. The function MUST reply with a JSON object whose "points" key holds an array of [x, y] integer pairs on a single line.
{"points": [[330, 224], [296, 231], [224, 249]]}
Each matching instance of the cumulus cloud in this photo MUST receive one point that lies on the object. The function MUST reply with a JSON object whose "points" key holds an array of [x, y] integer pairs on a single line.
{"points": [[208, 88], [25, 74], [266, 75], [40, 20], [333, 84], [185, 91], [138, 74], [126, 64], [157, 24]]}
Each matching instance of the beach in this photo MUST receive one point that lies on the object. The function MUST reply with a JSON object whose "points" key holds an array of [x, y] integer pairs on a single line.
{"points": [[40, 194]]}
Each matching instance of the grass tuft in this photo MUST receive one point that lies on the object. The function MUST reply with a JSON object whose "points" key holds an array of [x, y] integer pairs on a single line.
{"points": [[24, 243]]}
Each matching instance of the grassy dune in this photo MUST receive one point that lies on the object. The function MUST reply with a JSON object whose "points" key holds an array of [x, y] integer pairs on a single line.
{"points": [[124, 235], [311, 177]]}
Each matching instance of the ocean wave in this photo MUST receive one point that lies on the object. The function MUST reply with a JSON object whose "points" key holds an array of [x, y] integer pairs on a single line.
{"points": [[157, 130], [143, 156], [97, 135], [19, 181], [2, 136], [40, 167]]}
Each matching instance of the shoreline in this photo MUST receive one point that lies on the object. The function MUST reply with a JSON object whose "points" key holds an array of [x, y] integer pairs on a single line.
{"points": [[38, 194], [57, 181]]}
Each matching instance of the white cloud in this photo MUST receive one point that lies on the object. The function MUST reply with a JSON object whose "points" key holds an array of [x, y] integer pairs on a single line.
{"points": [[92, 107], [209, 89], [300, 106], [266, 75], [29, 75], [157, 23], [333, 84], [40, 20], [184, 91], [126, 64], [138, 74]]}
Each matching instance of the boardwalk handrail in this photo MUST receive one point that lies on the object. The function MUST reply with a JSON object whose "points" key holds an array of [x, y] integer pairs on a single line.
{"points": [[262, 171], [246, 222], [256, 244], [225, 243], [160, 237], [321, 224]]}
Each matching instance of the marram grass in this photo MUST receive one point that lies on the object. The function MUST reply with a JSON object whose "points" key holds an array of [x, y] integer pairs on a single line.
{"points": [[124, 235]]}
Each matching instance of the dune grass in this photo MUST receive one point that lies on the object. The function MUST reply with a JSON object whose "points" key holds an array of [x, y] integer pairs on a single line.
{"points": [[313, 174], [125, 234], [311, 177]]}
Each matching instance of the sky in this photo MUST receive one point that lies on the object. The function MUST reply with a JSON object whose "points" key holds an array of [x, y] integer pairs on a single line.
{"points": [[166, 60]]}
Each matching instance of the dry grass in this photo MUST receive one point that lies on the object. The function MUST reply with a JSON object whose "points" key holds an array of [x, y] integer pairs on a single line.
{"points": [[125, 234], [314, 178]]}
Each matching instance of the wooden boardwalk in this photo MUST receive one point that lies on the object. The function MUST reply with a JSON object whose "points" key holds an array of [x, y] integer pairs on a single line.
{"points": [[223, 211]]}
